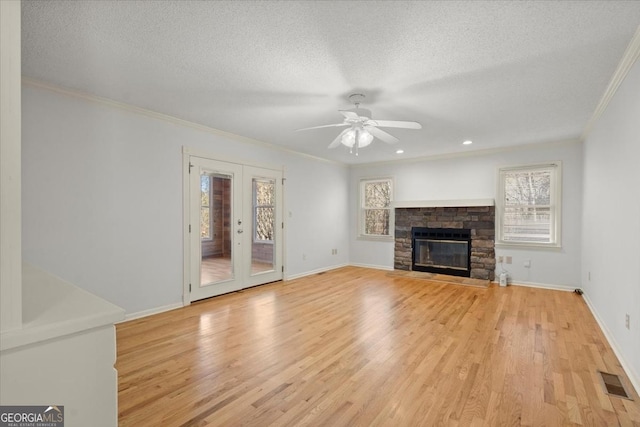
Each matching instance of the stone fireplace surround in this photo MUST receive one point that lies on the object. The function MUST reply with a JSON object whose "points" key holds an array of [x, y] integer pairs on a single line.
{"points": [[478, 216]]}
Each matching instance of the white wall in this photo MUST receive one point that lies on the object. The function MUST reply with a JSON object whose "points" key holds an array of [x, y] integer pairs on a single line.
{"points": [[10, 239], [102, 198], [474, 177], [316, 211], [611, 221]]}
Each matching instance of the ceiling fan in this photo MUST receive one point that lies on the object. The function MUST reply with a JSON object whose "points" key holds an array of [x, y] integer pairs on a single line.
{"points": [[361, 128]]}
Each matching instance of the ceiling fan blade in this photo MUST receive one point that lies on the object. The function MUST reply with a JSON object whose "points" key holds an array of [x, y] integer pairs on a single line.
{"points": [[324, 126], [349, 114], [338, 139], [395, 124], [382, 135]]}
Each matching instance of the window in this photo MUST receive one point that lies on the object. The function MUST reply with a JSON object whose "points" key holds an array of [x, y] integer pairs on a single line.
{"points": [[263, 209], [205, 207], [528, 211], [375, 207]]}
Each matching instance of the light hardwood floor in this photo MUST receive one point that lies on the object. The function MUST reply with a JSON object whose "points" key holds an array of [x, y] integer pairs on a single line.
{"points": [[361, 347]]}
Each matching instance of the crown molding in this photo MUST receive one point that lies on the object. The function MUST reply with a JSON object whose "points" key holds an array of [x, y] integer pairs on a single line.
{"points": [[73, 93], [474, 153], [629, 58]]}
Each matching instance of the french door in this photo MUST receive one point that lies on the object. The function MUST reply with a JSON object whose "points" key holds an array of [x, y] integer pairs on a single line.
{"points": [[235, 223]]}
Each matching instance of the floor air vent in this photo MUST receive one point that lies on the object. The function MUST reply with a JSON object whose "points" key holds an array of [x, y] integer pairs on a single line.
{"points": [[613, 385]]}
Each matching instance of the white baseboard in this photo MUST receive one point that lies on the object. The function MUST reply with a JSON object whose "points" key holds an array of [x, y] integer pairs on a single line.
{"points": [[151, 311], [633, 376], [312, 272], [566, 288], [377, 267]]}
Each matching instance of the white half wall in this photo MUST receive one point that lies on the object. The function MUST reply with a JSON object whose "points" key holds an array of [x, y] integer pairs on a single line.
{"points": [[475, 177], [611, 221], [102, 198]]}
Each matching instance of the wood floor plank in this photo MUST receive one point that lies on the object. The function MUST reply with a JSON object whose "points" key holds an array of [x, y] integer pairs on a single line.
{"points": [[361, 347]]}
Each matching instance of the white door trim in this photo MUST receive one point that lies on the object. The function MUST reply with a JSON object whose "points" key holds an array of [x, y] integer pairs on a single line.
{"points": [[186, 242]]}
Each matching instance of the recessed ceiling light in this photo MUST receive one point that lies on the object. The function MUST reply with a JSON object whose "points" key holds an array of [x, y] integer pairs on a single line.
{"points": [[399, 151], [467, 142]]}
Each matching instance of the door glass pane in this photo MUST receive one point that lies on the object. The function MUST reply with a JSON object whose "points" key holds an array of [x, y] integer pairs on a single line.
{"points": [[215, 228], [263, 230]]}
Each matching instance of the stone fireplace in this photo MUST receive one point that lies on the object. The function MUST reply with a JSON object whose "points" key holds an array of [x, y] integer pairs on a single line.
{"points": [[440, 230]]}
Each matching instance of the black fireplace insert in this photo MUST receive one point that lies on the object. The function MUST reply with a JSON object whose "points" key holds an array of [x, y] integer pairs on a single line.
{"points": [[441, 250]]}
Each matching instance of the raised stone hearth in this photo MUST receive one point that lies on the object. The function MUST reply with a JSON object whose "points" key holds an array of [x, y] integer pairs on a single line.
{"points": [[479, 219]]}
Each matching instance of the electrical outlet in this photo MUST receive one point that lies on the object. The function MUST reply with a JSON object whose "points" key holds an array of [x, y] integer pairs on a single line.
{"points": [[334, 252], [507, 259], [527, 263], [304, 257], [627, 321], [500, 259]]}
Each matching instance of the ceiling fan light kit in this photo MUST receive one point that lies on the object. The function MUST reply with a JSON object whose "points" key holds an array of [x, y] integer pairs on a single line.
{"points": [[361, 128], [349, 138]]}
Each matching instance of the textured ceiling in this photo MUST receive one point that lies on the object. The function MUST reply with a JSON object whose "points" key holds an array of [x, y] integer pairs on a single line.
{"points": [[499, 73]]}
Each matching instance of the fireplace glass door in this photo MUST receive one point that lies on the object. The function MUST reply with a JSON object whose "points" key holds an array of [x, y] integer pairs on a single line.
{"points": [[452, 254]]}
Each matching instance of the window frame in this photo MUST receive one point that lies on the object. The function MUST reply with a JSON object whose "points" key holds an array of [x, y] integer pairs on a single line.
{"points": [[255, 208], [210, 208], [362, 210], [555, 204]]}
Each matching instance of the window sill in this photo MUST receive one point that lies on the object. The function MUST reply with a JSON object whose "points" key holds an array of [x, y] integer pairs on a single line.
{"points": [[513, 245]]}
